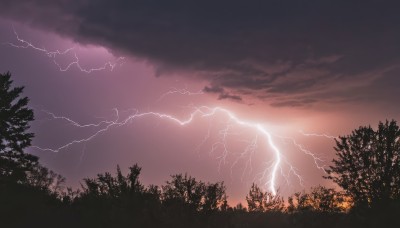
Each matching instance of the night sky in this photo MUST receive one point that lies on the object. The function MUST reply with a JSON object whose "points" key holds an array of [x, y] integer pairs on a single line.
{"points": [[306, 71]]}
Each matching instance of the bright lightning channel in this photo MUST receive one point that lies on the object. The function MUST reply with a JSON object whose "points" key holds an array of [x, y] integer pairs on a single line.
{"points": [[317, 135], [202, 112], [53, 55], [180, 92]]}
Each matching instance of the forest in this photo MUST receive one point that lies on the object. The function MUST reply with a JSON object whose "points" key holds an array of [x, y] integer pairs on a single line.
{"points": [[366, 170]]}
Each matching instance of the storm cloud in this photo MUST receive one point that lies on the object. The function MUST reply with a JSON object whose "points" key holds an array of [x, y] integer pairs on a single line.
{"points": [[290, 53]]}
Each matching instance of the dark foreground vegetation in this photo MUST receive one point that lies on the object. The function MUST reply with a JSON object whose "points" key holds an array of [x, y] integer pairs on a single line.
{"points": [[367, 168]]}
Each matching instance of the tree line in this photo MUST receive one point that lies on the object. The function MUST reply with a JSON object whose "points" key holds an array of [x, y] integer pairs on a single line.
{"points": [[366, 168]]}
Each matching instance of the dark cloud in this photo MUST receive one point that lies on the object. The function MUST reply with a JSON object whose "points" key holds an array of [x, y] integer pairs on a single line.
{"points": [[286, 49], [229, 96], [294, 103], [222, 93]]}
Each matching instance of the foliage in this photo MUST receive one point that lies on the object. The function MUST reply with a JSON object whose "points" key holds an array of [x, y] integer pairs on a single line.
{"points": [[46, 180], [116, 200], [195, 195], [259, 201], [14, 117], [325, 199], [14, 136], [299, 202], [320, 199], [184, 190], [214, 197], [105, 185], [367, 166]]}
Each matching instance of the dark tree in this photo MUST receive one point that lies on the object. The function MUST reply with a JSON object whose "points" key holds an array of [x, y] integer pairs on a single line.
{"points": [[14, 117], [118, 201], [46, 180], [214, 197], [29, 193], [320, 199], [255, 199], [107, 186], [260, 201], [14, 136], [184, 190], [367, 166], [325, 199], [299, 202]]}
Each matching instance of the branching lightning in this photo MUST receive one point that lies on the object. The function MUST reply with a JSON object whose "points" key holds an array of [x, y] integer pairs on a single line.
{"points": [[317, 160], [54, 54], [271, 172], [180, 92], [318, 135]]}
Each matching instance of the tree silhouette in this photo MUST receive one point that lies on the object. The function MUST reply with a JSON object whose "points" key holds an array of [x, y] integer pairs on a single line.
{"points": [[255, 199], [118, 201], [298, 202], [325, 199], [368, 163], [46, 180], [14, 136], [214, 197], [259, 201], [185, 191], [320, 199], [107, 186], [29, 193]]}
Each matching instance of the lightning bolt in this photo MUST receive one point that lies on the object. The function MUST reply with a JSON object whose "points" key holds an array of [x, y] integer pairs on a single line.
{"points": [[318, 135], [54, 54], [200, 112], [301, 147], [185, 91], [270, 173], [317, 160]]}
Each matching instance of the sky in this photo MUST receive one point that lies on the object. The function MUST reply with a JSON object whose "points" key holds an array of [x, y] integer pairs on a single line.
{"points": [[283, 77]]}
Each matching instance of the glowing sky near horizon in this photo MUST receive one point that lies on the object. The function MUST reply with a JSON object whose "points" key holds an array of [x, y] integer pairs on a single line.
{"points": [[305, 102]]}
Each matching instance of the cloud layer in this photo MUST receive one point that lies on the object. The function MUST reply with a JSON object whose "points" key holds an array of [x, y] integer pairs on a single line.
{"points": [[289, 53]]}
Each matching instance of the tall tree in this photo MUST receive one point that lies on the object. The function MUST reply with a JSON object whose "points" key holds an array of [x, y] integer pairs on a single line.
{"points": [[255, 199], [214, 197], [184, 190], [260, 201], [14, 136], [367, 166]]}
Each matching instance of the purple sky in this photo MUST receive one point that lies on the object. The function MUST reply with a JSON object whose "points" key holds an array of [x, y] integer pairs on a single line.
{"points": [[312, 67]]}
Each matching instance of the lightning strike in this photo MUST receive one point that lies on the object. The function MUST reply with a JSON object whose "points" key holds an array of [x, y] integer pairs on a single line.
{"points": [[54, 54], [201, 112], [318, 135], [316, 159], [249, 151], [181, 92]]}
